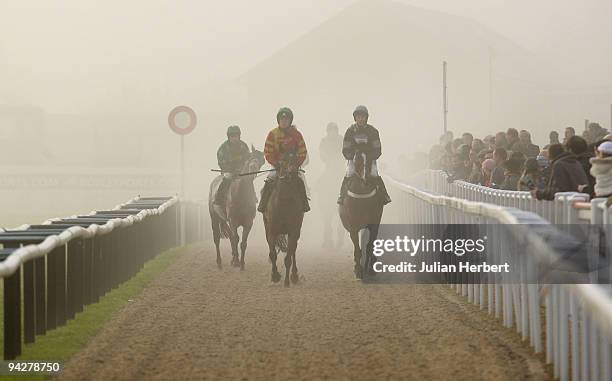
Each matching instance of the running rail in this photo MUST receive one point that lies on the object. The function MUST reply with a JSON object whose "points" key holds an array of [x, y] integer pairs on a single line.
{"points": [[578, 317], [29, 252], [51, 271]]}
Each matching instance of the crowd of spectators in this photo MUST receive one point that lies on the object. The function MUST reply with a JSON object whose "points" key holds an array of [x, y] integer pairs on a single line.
{"points": [[511, 161]]}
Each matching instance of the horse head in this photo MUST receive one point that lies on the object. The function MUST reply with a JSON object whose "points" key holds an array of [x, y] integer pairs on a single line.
{"points": [[256, 160], [360, 164]]}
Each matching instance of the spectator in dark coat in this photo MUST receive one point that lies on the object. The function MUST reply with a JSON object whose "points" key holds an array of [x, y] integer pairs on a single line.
{"points": [[513, 169], [566, 174], [532, 177], [461, 165], [578, 146], [497, 177]]}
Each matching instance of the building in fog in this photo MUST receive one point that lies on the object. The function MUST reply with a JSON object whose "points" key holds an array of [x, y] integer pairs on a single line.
{"points": [[389, 56], [22, 135]]}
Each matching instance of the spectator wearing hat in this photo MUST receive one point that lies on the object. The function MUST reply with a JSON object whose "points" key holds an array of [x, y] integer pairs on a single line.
{"points": [[601, 169]]}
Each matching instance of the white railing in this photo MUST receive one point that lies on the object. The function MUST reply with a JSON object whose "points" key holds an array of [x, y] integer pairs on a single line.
{"points": [[558, 211], [29, 252], [578, 317]]}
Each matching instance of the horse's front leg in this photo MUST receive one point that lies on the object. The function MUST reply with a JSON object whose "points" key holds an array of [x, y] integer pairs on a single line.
{"points": [[370, 248], [356, 253], [292, 241], [216, 228], [243, 244], [234, 241], [276, 277]]}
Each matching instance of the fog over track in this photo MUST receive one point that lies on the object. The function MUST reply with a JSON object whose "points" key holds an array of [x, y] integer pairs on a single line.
{"points": [[197, 322]]}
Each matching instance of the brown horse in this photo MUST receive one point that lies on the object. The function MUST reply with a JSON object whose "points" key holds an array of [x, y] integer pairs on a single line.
{"points": [[361, 209], [240, 205], [283, 218]]}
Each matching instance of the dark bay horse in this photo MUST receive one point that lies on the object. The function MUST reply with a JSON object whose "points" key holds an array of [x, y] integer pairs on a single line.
{"points": [[240, 209], [361, 209], [283, 218]]}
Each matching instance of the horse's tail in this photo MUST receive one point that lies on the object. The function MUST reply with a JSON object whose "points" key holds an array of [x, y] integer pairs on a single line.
{"points": [[281, 243]]}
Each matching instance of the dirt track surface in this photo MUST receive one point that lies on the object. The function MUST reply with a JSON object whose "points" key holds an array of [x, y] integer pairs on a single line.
{"points": [[197, 322]]}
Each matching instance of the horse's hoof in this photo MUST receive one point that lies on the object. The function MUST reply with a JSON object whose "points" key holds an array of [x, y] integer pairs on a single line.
{"points": [[295, 278], [358, 272], [276, 277], [219, 266], [287, 283], [241, 266]]}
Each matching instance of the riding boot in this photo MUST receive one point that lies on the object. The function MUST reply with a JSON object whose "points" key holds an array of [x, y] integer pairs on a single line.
{"points": [[265, 195], [304, 196], [343, 190], [384, 194]]}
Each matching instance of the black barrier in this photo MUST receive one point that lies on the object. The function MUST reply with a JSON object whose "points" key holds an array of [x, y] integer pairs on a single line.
{"points": [[54, 288]]}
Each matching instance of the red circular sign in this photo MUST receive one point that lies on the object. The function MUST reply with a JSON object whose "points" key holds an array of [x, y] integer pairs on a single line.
{"points": [[172, 120]]}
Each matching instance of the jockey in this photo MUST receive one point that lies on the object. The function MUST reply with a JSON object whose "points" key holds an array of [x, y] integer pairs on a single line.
{"points": [[364, 137], [231, 155], [329, 146], [284, 142]]}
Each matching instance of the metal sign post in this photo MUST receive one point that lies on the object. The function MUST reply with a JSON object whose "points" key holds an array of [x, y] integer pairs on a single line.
{"points": [[182, 165], [182, 131], [444, 95]]}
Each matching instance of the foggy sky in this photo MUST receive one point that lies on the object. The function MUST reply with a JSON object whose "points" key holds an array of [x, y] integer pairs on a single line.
{"points": [[89, 55]]}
